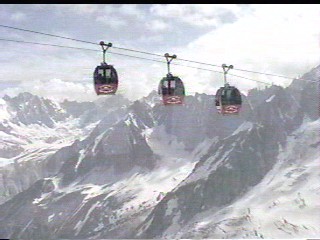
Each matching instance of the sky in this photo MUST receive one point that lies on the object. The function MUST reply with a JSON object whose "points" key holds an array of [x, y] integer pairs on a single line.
{"points": [[277, 39]]}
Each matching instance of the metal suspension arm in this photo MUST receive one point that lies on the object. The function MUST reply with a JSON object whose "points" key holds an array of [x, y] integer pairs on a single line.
{"points": [[104, 49], [225, 71], [169, 59]]}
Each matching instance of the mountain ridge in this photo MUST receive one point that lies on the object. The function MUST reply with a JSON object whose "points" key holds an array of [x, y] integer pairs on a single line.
{"points": [[152, 170]]}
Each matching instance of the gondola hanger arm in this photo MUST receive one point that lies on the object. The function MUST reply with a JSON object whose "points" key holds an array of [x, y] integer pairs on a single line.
{"points": [[225, 71], [105, 47], [167, 56], [169, 59], [224, 66]]}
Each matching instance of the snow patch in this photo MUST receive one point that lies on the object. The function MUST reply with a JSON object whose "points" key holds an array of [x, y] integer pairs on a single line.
{"points": [[92, 191], [5, 161], [50, 217], [98, 139], [99, 227], [4, 114], [172, 204], [270, 98], [246, 126], [81, 157], [80, 224]]}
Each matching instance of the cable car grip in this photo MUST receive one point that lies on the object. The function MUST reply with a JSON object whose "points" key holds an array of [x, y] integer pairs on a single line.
{"points": [[169, 59], [225, 71], [104, 49]]}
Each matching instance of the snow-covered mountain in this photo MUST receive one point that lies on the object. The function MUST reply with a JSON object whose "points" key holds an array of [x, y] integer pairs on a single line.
{"points": [[120, 169], [249, 204], [32, 129], [235, 164], [30, 109]]}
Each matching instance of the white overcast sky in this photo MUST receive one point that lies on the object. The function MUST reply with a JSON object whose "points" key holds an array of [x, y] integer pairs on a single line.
{"points": [[279, 39]]}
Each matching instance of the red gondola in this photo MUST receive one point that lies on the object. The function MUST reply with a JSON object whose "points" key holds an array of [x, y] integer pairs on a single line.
{"points": [[171, 87], [105, 76], [228, 98]]}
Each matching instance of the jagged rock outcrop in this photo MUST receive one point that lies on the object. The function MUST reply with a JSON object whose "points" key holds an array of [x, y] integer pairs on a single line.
{"points": [[198, 118], [31, 109], [117, 142]]}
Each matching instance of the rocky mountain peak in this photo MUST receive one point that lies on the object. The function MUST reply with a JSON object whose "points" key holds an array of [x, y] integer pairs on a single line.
{"points": [[28, 109]]}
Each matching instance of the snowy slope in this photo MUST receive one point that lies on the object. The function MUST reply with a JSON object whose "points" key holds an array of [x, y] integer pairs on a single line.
{"points": [[31, 130], [285, 204], [119, 205], [36, 144]]}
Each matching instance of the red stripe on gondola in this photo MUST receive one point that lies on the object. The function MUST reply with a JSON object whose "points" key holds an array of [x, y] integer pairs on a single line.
{"points": [[172, 100], [106, 88], [231, 109]]}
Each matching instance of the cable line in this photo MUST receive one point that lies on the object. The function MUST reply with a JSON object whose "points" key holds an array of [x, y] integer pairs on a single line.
{"points": [[47, 34], [126, 55], [148, 53], [77, 40], [46, 44]]}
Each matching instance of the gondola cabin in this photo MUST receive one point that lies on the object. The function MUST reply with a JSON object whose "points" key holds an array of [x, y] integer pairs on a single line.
{"points": [[105, 79], [172, 90], [228, 100]]}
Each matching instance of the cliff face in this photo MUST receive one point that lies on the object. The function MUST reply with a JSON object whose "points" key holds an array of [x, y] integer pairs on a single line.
{"points": [[198, 119]]}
